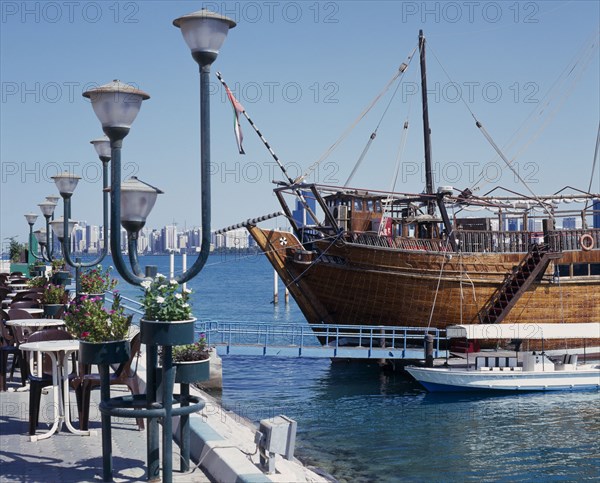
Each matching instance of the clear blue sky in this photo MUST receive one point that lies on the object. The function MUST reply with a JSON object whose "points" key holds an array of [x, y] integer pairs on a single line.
{"points": [[304, 71]]}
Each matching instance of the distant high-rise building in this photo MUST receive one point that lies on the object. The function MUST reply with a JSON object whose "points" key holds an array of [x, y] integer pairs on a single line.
{"points": [[569, 223], [92, 235], [169, 238], [301, 214], [513, 224]]}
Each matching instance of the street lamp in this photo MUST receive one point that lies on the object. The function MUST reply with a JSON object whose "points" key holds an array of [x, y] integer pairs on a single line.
{"points": [[31, 218], [204, 32], [58, 227], [47, 209], [66, 183], [116, 105]]}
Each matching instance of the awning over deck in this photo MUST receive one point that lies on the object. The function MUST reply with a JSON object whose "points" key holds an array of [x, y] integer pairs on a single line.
{"points": [[525, 331]]}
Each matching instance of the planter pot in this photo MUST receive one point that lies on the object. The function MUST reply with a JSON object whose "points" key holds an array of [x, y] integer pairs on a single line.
{"points": [[188, 372], [61, 278], [158, 332], [50, 310], [112, 352], [191, 372]]}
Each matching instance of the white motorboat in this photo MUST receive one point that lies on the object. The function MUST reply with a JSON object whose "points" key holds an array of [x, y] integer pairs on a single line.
{"points": [[526, 371]]}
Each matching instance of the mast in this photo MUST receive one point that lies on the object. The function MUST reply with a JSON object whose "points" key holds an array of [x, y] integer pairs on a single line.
{"points": [[426, 130]]}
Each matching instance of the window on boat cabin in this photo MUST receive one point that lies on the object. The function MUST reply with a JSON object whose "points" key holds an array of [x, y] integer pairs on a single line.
{"points": [[370, 205], [358, 205], [594, 268], [580, 269], [563, 270], [378, 206]]}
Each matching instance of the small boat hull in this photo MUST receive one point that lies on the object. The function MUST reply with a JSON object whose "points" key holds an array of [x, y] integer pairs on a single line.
{"points": [[452, 380]]}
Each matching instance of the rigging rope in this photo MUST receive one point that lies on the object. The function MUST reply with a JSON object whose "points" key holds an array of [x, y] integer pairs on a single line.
{"points": [[356, 121], [594, 166], [570, 74]]}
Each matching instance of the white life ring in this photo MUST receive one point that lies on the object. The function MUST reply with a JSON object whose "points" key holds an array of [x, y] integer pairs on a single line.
{"points": [[586, 242]]}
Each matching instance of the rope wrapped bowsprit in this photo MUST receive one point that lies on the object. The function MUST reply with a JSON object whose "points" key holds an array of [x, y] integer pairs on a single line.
{"points": [[249, 221]]}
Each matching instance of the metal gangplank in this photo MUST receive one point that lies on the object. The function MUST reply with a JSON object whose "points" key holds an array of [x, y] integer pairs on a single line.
{"points": [[303, 340]]}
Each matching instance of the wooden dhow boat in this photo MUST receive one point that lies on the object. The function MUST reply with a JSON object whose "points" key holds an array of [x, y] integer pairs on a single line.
{"points": [[358, 256]]}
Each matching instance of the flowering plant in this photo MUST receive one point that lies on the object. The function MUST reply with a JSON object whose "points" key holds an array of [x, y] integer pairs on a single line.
{"points": [[88, 320], [54, 294], [162, 301], [97, 281], [197, 351]]}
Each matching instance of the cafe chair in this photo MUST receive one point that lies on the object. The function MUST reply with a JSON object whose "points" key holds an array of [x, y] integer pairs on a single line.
{"points": [[24, 304], [124, 375], [9, 347], [43, 377]]}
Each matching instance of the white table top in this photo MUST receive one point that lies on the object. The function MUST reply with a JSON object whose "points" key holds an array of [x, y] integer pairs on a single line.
{"points": [[51, 345], [36, 323], [18, 286]]}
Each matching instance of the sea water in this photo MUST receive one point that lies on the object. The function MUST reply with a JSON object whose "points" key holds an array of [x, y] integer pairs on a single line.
{"points": [[361, 425]]}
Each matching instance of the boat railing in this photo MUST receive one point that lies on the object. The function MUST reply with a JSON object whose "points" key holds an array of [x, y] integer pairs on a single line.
{"points": [[402, 243], [571, 240], [478, 241]]}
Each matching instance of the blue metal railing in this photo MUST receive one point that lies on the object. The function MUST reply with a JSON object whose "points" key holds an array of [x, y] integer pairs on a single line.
{"points": [[316, 340], [322, 340]]}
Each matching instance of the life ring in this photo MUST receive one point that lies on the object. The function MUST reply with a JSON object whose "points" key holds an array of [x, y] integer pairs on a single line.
{"points": [[586, 242]]}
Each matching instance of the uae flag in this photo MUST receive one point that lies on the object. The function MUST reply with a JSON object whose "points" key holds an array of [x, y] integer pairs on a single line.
{"points": [[237, 110]]}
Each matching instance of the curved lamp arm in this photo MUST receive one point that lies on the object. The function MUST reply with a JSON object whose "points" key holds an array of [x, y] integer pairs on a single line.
{"points": [[205, 185], [49, 248], [135, 276], [116, 136], [31, 244], [78, 264]]}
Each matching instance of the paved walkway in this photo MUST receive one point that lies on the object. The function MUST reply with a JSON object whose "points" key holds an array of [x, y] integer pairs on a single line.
{"points": [[66, 457]]}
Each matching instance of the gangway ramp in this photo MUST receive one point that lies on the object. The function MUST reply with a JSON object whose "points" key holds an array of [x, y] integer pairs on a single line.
{"points": [[319, 341]]}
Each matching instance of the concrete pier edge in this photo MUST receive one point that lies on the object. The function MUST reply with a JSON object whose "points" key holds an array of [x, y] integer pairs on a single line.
{"points": [[222, 444]]}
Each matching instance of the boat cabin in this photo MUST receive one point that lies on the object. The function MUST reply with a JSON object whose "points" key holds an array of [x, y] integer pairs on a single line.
{"points": [[360, 212]]}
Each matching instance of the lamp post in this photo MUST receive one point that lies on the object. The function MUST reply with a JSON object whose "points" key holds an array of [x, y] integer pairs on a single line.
{"points": [[40, 236], [66, 183], [204, 32], [117, 105], [47, 209], [31, 218]]}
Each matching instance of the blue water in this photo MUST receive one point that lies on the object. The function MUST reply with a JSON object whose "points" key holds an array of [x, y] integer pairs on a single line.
{"points": [[363, 426]]}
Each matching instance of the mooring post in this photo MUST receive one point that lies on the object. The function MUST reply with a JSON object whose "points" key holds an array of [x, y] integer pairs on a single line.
{"points": [[184, 269], [428, 350], [171, 265], [275, 288]]}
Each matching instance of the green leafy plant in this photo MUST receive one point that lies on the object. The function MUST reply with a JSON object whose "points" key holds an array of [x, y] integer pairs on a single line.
{"points": [[54, 294], [37, 282], [15, 249], [87, 319], [58, 265], [197, 351], [97, 281], [163, 301]]}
